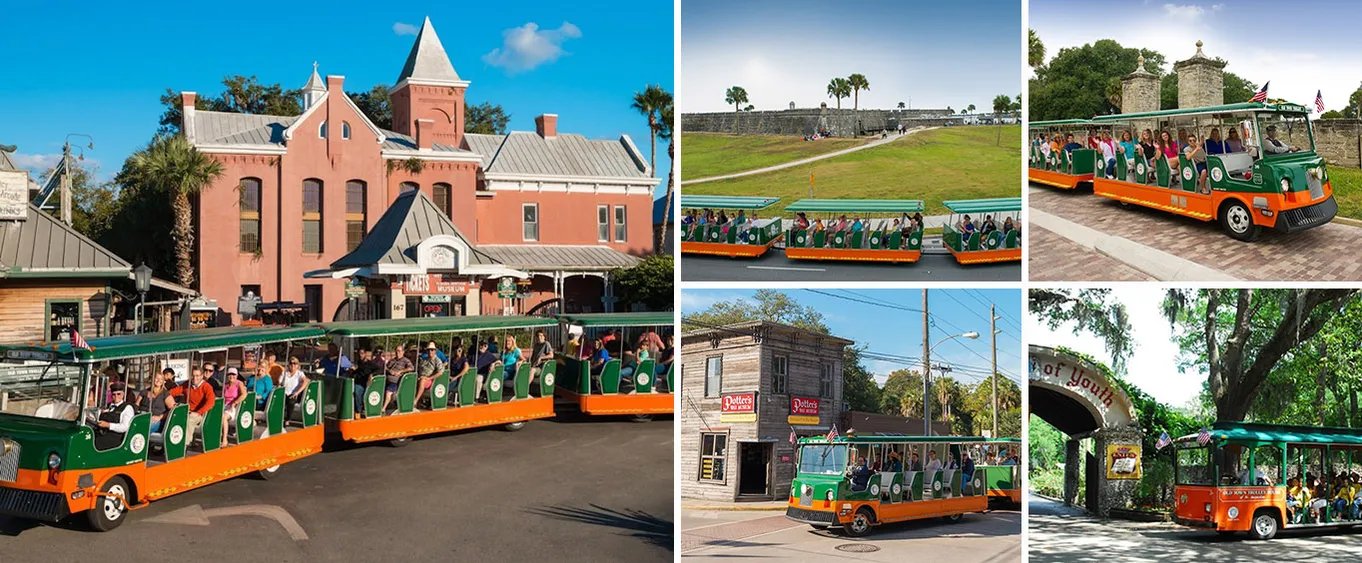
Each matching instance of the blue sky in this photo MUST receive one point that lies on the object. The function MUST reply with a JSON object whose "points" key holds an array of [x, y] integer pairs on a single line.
{"points": [[101, 69], [938, 53], [1300, 46], [896, 332]]}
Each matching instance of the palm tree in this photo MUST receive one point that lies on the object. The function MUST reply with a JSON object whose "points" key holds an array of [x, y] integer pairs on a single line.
{"points": [[902, 105], [737, 96], [858, 83], [650, 102], [666, 134], [1035, 50], [1001, 103], [839, 88], [172, 165]]}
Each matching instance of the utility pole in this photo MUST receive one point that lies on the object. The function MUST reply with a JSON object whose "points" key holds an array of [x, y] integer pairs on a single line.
{"points": [[65, 170], [993, 336], [926, 370]]}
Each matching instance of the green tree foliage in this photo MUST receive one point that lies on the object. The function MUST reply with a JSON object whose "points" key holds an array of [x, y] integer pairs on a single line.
{"points": [[737, 96], [858, 82], [240, 94], [651, 102], [1237, 90], [486, 118], [1351, 111], [1035, 50], [839, 88], [766, 305], [92, 204], [902, 393], [979, 402], [1001, 104], [1075, 82], [858, 387], [1331, 114], [1090, 310], [649, 283], [376, 105], [970, 109], [171, 166]]}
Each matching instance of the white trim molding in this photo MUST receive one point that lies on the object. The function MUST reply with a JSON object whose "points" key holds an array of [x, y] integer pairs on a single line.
{"points": [[559, 179], [428, 82], [427, 154], [288, 133], [241, 149]]}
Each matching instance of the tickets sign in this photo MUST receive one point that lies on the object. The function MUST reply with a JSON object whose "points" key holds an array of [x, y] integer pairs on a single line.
{"points": [[803, 410], [1123, 461], [738, 407]]}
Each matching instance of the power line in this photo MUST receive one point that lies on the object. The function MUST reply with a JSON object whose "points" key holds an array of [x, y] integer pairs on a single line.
{"points": [[985, 302]]}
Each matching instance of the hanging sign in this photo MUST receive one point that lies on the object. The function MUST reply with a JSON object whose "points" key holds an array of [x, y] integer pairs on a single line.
{"points": [[1123, 461]]}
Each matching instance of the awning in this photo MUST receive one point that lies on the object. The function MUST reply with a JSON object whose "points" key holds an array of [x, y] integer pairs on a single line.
{"points": [[559, 257]]}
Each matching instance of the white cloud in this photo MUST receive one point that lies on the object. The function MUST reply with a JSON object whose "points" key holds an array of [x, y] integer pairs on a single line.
{"points": [[1183, 12], [696, 300], [37, 164], [405, 29], [527, 47]]}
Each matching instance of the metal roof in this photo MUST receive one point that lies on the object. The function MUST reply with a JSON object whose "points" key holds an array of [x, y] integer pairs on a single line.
{"points": [[399, 142], [1270, 433], [427, 60], [410, 219], [558, 257], [314, 82], [1227, 108], [983, 205], [394, 327], [130, 345], [664, 318], [222, 128], [857, 205], [44, 247], [727, 201], [565, 154]]}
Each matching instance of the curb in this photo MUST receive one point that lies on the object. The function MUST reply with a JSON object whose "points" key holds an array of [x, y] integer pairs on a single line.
{"points": [[1347, 221], [732, 508], [1156, 263]]}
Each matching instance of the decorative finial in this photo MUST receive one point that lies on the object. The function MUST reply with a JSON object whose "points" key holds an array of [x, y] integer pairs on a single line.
{"points": [[1140, 65], [1198, 48], [314, 66]]}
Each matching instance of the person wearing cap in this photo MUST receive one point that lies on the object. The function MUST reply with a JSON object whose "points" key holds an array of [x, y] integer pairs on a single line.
{"points": [[111, 424], [233, 393], [428, 367], [1273, 146]]}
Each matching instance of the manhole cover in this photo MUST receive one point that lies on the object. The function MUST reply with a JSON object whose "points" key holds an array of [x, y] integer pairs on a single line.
{"points": [[857, 548]]}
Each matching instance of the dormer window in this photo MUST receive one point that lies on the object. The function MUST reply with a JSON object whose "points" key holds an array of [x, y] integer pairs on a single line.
{"points": [[321, 131], [345, 130]]}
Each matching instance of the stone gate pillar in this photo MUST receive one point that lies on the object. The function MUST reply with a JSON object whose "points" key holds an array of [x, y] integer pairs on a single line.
{"points": [[1201, 81], [1139, 90], [1120, 471], [1073, 464]]}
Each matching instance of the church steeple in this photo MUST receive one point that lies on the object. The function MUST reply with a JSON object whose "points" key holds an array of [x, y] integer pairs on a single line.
{"points": [[313, 90], [427, 63], [429, 89]]}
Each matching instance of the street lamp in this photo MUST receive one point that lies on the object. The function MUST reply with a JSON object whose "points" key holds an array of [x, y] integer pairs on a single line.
{"points": [[99, 306], [927, 373], [141, 276]]}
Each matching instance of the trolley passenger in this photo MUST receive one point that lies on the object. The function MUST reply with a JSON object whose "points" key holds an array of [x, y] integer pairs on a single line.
{"points": [[155, 397], [295, 384], [1232, 142], [427, 369], [198, 396], [261, 384], [483, 362], [112, 423], [233, 393], [541, 354], [395, 369]]}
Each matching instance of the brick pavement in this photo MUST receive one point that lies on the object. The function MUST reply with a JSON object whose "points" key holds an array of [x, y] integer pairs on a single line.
{"points": [[1327, 253], [723, 533], [1054, 258]]}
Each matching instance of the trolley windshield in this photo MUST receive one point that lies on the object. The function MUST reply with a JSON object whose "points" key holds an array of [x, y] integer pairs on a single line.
{"points": [[822, 459]]}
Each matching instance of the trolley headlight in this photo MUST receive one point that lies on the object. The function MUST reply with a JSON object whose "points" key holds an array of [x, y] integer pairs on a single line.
{"points": [[1286, 185], [1208, 508], [6, 446], [828, 496], [53, 460]]}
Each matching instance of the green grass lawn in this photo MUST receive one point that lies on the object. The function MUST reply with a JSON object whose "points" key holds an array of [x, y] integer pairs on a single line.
{"points": [[933, 166], [1347, 184], [715, 154]]}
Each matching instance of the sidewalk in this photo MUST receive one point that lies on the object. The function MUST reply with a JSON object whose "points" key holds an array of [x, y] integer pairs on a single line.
{"points": [[770, 505], [875, 143]]}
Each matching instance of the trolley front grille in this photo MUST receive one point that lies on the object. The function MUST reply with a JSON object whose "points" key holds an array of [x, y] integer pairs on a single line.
{"points": [[814, 516], [1310, 216], [9, 461], [38, 505]]}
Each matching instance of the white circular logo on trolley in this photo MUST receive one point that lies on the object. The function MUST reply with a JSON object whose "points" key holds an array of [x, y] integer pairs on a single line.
{"points": [[495, 384], [246, 420], [801, 239], [874, 240], [914, 239], [139, 442], [1139, 168], [1217, 174], [1233, 512], [373, 399], [896, 489], [439, 391], [936, 485], [548, 379], [874, 489], [311, 407], [642, 379], [1186, 173], [176, 434], [978, 483]]}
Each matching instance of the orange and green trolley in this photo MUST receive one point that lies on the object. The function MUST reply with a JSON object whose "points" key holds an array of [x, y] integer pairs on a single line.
{"points": [[50, 467], [828, 491], [1263, 478], [624, 384], [1264, 173], [1059, 168], [452, 401], [1002, 244], [745, 234], [886, 232]]}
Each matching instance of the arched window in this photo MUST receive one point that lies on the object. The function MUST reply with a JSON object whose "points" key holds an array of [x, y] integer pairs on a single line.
{"points": [[405, 187], [312, 216], [249, 211], [345, 129], [355, 216], [321, 131], [441, 197]]}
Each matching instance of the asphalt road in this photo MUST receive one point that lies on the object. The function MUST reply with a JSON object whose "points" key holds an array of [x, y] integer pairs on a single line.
{"points": [[1057, 533], [774, 266], [587, 491], [990, 537]]}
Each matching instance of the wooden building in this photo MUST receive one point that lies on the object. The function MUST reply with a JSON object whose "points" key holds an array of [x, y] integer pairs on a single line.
{"points": [[745, 389]]}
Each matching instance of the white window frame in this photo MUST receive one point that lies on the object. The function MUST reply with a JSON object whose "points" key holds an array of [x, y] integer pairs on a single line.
{"points": [[710, 363], [621, 223], [345, 130], [720, 476], [526, 224], [780, 375], [321, 130], [602, 223], [825, 382]]}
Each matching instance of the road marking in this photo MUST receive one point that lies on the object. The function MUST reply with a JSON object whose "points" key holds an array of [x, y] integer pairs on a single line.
{"points": [[195, 515], [788, 269]]}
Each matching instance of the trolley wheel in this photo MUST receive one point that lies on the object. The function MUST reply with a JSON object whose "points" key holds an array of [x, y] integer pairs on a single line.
{"points": [[110, 512], [514, 426], [860, 523], [641, 418], [268, 473], [954, 518], [1236, 219], [1264, 526], [399, 442]]}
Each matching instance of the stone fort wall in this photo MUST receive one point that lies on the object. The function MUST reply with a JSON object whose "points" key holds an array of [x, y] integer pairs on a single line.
{"points": [[1339, 141], [806, 121]]}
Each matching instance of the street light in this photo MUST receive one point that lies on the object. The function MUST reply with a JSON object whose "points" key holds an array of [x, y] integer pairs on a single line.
{"points": [[927, 373], [99, 306], [141, 276]]}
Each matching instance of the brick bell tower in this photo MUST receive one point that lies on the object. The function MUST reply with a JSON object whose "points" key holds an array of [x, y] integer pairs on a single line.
{"points": [[428, 88]]}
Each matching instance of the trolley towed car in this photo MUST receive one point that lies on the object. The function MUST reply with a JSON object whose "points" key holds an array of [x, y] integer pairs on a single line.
{"points": [[879, 239], [51, 467], [1267, 175], [448, 404], [747, 237], [1061, 169], [621, 386], [1249, 478], [977, 247], [825, 492]]}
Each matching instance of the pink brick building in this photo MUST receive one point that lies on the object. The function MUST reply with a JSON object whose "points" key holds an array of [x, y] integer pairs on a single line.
{"points": [[300, 192]]}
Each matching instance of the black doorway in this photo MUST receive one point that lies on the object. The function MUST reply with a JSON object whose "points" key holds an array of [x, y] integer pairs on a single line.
{"points": [[754, 479]]}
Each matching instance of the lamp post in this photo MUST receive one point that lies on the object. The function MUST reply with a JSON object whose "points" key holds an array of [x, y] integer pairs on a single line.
{"points": [[926, 375], [99, 306], [142, 280]]}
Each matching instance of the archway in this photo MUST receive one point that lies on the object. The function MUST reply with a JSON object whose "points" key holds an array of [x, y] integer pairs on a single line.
{"points": [[1080, 400]]}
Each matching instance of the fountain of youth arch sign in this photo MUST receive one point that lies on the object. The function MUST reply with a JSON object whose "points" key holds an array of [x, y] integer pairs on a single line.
{"points": [[1079, 399]]}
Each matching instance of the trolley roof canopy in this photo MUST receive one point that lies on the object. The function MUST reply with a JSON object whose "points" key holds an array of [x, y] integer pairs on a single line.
{"points": [[1227, 108], [856, 205], [1272, 433], [898, 439], [994, 205], [394, 327], [621, 319], [728, 201], [153, 343], [1059, 123]]}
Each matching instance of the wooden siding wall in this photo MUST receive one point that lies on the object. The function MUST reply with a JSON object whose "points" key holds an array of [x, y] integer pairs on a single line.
{"points": [[22, 307]]}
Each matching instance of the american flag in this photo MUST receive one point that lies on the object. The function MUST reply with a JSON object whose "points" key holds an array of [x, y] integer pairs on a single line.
{"points": [[78, 342], [1261, 96], [1163, 441], [1203, 437], [832, 434], [1319, 101], [792, 436]]}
